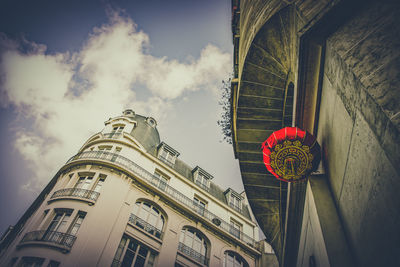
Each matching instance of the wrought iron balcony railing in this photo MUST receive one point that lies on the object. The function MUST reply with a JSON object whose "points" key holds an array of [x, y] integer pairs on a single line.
{"points": [[156, 182], [76, 192], [151, 229], [191, 253], [62, 240]]}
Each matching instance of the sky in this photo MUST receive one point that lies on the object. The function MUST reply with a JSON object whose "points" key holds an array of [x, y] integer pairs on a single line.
{"points": [[68, 66]]}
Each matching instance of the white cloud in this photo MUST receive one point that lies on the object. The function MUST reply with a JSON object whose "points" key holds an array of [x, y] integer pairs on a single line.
{"points": [[68, 96]]}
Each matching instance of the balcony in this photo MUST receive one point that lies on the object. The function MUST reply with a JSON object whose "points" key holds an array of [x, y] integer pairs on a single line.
{"points": [[193, 254], [135, 220], [58, 240], [76, 193], [154, 181]]}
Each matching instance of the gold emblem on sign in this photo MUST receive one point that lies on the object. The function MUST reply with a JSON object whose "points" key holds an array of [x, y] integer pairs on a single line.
{"points": [[291, 160]]}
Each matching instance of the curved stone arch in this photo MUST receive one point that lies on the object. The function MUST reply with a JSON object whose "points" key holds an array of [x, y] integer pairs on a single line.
{"points": [[264, 104], [206, 239], [156, 205], [246, 264]]}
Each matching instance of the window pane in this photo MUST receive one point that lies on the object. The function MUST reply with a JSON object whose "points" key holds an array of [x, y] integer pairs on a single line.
{"points": [[128, 258], [143, 251], [139, 261]]}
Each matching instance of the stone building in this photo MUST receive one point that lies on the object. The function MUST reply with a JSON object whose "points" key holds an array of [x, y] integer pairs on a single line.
{"points": [[126, 199], [331, 68]]}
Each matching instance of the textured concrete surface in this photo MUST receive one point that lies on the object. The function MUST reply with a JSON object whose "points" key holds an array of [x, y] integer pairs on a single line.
{"points": [[359, 133]]}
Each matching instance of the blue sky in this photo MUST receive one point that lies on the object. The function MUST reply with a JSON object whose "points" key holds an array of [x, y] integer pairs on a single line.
{"points": [[67, 66]]}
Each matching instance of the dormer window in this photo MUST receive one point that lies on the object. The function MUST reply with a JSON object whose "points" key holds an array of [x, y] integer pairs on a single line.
{"points": [[234, 199], [116, 131], [129, 112], [151, 121], [167, 154], [202, 178]]}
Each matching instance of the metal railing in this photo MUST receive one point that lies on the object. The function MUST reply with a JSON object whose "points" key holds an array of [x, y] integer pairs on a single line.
{"points": [[188, 251], [156, 182], [151, 229], [52, 237], [76, 192]]}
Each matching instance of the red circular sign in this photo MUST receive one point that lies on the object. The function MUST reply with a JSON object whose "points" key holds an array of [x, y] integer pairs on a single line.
{"points": [[291, 154]]}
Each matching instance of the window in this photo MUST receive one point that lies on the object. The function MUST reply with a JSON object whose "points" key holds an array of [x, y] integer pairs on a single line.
{"points": [[235, 202], [152, 122], [148, 217], [199, 205], [202, 181], [232, 259], [99, 183], [235, 228], [53, 264], [202, 178], [234, 199], [167, 157], [167, 154], [132, 253], [59, 222], [118, 128], [84, 182], [162, 180], [30, 262], [77, 223], [192, 243]]}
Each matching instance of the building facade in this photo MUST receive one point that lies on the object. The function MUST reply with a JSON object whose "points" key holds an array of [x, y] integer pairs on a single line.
{"points": [[331, 68], [126, 199]]}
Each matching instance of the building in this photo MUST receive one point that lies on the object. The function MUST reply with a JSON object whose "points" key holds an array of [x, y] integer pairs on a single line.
{"points": [[126, 199], [331, 68]]}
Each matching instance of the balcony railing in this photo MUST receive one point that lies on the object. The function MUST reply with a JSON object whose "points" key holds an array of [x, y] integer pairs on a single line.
{"points": [[191, 253], [135, 220], [76, 192], [156, 182], [62, 240]]}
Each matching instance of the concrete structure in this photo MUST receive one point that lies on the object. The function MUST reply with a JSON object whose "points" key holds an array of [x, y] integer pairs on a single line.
{"points": [[126, 199], [331, 68]]}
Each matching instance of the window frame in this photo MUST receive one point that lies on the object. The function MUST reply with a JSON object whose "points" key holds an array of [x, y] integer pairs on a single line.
{"points": [[123, 249], [235, 256], [160, 218]]}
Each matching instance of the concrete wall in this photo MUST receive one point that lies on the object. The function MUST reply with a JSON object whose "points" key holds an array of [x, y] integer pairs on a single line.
{"points": [[359, 134]]}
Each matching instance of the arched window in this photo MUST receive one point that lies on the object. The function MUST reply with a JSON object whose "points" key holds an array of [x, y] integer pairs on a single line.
{"points": [[232, 259], [193, 244], [148, 217]]}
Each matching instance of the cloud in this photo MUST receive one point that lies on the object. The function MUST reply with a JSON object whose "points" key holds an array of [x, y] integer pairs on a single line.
{"points": [[65, 97]]}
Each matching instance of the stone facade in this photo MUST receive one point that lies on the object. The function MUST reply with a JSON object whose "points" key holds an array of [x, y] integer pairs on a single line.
{"points": [[123, 200]]}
